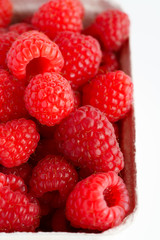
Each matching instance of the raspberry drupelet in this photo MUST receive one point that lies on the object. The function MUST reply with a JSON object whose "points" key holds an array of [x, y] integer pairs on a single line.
{"points": [[112, 93], [18, 140], [82, 57], [88, 140], [33, 53], [98, 202], [58, 16], [11, 97], [49, 98], [21, 27], [18, 212], [53, 179]]}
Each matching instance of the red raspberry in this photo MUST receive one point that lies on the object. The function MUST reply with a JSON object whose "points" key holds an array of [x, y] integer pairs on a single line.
{"points": [[112, 93], [17, 213], [21, 27], [6, 11], [53, 179], [49, 98], [18, 140], [59, 15], [6, 40], [77, 99], [87, 138], [24, 171], [3, 30], [33, 53], [111, 28], [98, 202], [109, 63], [11, 98], [82, 57]]}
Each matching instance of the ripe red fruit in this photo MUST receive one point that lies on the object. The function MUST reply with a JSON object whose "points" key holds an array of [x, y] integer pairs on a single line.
{"points": [[21, 27], [18, 212], [98, 202], [6, 11], [112, 93], [33, 53], [109, 63], [59, 15], [18, 140], [11, 97], [87, 139], [6, 40], [111, 28], [82, 56]]}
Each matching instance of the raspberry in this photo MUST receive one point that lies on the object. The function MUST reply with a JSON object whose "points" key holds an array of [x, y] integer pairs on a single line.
{"points": [[109, 63], [49, 98], [77, 99], [98, 202], [3, 30], [17, 213], [33, 53], [6, 40], [112, 93], [82, 57], [11, 98], [53, 179], [5, 12], [21, 27], [87, 139], [18, 140], [111, 28], [59, 15], [24, 171]]}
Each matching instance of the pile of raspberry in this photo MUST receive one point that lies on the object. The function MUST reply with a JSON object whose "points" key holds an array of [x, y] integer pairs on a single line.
{"points": [[62, 94]]}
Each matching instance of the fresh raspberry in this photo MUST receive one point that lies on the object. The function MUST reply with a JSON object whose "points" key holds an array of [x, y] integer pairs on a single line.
{"points": [[59, 15], [11, 98], [20, 27], [17, 213], [116, 130], [3, 30], [109, 63], [111, 28], [6, 11], [87, 139], [59, 221], [82, 56], [18, 140], [33, 53], [6, 40], [24, 171], [112, 93], [49, 98], [53, 179], [98, 202]]}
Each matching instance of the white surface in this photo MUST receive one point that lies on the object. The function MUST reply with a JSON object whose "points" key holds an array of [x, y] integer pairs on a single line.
{"points": [[145, 46]]}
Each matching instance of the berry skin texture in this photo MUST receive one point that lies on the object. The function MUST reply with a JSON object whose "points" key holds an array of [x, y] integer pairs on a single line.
{"points": [[112, 93], [109, 63], [58, 16], [88, 140], [18, 140], [6, 40], [18, 212], [82, 56], [11, 98], [49, 98], [98, 202], [111, 28], [24, 171], [20, 27], [33, 53], [53, 177], [6, 11]]}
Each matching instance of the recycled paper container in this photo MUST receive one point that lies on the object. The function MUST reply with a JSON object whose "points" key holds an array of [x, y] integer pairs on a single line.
{"points": [[23, 8]]}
